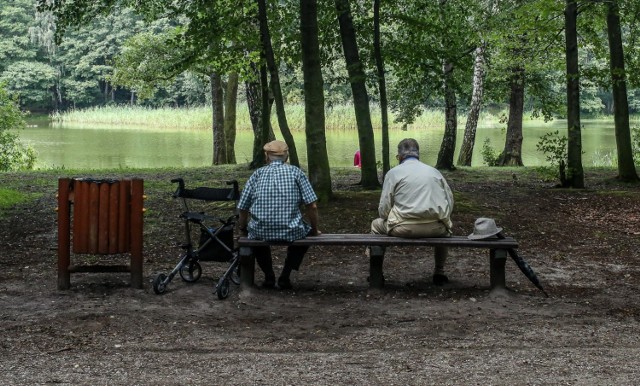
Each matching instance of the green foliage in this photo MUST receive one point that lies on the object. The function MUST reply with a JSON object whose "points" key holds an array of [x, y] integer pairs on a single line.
{"points": [[590, 102], [31, 81], [149, 66], [489, 155], [148, 62], [15, 20], [554, 147], [164, 40], [417, 36], [635, 144], [420, 37], [13, 154]]}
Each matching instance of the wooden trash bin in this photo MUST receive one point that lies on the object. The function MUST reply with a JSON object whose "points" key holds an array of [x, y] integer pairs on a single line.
{"points": [[105, 218]]}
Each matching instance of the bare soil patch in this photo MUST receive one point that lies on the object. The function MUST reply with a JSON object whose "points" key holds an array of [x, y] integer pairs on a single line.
{"points": [[331, 328]]}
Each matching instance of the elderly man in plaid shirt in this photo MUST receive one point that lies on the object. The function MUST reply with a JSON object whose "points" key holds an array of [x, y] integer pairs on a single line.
{"points": [[270, 210]]}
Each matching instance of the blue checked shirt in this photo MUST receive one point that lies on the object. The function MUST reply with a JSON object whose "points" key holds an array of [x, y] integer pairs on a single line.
{"points": [[273, 195]]}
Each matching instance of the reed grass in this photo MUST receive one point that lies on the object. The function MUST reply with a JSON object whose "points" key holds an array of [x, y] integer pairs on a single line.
{"points": [[340, 118], [195, 118]]}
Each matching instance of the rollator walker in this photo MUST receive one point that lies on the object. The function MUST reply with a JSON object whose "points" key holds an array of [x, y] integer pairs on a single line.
{"points": [[216, 242]]}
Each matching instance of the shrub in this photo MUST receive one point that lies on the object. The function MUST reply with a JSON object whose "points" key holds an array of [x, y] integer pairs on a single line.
{"points": [[554, 147], [14, 154], [489, 155]]}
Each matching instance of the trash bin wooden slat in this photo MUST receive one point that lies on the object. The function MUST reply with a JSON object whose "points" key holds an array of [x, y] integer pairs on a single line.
{"points": [[103, 218], [114, 207], [123, 216], [94, 213], [80, 216], [107, 219]]}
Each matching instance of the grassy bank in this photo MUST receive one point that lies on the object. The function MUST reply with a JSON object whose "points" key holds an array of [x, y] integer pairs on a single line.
{"points": [[9, 198], [199, 118], [28, 186]]}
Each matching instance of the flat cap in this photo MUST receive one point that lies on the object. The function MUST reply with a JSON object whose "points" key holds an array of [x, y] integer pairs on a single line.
{"points": [[276, 148]]}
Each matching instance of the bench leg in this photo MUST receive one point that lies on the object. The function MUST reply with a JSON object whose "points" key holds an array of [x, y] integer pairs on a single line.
{"points": [[247, 267], [497, 260], [376, 258]]}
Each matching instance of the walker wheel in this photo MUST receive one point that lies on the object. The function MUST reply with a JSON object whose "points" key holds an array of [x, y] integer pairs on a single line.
{"points": [[191, 271], [159, 286], [222, 289], [235, 275]]}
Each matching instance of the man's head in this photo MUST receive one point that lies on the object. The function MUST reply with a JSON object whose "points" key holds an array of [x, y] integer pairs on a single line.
{"points": [[408, 147], [276, 151]]}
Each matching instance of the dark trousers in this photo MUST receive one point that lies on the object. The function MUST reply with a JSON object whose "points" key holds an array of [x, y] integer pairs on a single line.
{"points": [[295, 254]]}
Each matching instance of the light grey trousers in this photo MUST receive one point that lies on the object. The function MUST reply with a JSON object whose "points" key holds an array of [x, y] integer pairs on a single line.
{"points": [[412, 231]]}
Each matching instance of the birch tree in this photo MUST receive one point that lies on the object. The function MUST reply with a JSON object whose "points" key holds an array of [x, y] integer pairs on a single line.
{"points": [[468, 141]]}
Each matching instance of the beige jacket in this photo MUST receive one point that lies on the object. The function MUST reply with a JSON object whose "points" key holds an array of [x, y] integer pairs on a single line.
{"points": [[415, 193]]}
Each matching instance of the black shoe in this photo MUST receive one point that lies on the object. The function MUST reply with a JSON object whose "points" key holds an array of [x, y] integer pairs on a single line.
{"points": [[284, 283], [269, 282], [439, 279]]}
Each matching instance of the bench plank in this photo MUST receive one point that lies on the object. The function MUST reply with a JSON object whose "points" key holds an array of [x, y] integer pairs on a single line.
{"points": [[385, 241], [497, 251]]}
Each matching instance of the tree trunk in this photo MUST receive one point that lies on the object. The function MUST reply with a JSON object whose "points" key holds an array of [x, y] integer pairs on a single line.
{"points": [[266, 133], [219, 143], [626, 167], [575, 173], [512, 153], [448, 146], [252, 91], [265, 36], [318, 159], [469, 140], [382, 87], [230, 108], [357, 77]]}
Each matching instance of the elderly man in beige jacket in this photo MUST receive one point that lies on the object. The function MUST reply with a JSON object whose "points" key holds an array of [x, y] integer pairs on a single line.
{"points": [[416, 201]]}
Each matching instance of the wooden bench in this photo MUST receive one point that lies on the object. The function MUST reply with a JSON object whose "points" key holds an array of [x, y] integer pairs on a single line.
{"points": [[498, 250]]}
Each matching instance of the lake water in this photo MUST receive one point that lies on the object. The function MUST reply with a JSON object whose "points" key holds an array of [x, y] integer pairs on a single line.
{"points": [[103, 148]]}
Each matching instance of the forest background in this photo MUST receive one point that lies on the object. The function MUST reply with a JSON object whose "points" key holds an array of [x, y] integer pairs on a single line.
{"points": [[547, 58], [454, 56]]}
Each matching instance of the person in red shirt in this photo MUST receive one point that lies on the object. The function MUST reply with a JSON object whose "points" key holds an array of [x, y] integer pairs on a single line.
{"points": [[356, 159]]}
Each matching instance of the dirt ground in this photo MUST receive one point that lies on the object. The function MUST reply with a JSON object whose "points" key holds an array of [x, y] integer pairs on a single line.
{"points": [[331, 328]]}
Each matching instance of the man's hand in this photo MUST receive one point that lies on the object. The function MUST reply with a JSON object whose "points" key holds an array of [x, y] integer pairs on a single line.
{"points": [[243, 220], [312, 213]]}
